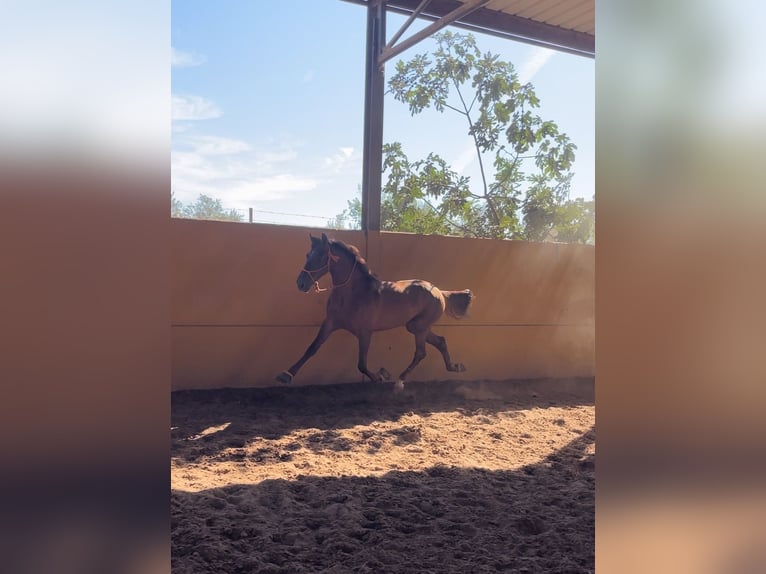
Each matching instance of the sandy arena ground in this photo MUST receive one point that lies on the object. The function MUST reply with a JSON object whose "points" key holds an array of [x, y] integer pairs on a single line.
{"points": [[444, 477]]}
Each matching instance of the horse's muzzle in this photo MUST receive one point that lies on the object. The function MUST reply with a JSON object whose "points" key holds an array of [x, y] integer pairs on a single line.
{"points": [[304, 282]]}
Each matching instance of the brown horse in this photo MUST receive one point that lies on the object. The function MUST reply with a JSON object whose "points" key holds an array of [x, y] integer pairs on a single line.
{"points": [[361, 304]]}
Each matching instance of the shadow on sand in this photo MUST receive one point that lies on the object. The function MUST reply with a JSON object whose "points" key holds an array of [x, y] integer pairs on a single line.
{"points": [[242, 415], [539, 518], [443, 519]]}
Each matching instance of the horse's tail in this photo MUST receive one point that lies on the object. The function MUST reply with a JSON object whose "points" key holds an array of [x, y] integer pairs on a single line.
{"points": [[457, 302]]}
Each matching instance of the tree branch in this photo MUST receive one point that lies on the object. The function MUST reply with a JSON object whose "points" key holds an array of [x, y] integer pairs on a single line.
{"points": [[452, 223], [446, 105], [495, 216], [475, 97]]}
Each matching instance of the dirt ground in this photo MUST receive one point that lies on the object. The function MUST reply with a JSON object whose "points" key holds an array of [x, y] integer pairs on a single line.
{"points": [[444, 477]]}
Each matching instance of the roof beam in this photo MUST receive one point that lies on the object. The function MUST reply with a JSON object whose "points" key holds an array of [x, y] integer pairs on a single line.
{"points": [[458, 12], [406, 25]]}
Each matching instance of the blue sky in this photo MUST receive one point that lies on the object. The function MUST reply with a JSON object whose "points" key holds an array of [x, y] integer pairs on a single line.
{"points": [[268, 105]]}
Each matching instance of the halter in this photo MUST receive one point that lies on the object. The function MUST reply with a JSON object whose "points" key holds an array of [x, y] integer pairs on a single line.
{"points": [[334, 259]]}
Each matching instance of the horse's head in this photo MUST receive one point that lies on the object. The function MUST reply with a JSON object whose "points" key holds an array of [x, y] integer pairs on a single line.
{"points": [[316, 263]]}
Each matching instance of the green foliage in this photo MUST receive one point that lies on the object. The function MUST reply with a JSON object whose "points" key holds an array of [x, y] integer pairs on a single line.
{"points": [[575, 222], [349, 218], [526, 197], [176, 206], [407, 196], [205, 207]]}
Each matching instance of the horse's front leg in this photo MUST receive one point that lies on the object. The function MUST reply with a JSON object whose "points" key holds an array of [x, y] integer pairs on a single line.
{"points": [[364, 338], [324, 333]]}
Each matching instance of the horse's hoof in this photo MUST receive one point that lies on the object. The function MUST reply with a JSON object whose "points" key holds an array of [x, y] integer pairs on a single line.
{"points": [[285, 377], [384, 374], [458, 367]]}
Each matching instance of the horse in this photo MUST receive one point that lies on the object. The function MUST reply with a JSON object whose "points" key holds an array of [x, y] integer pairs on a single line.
{"points": [[361, 304]]}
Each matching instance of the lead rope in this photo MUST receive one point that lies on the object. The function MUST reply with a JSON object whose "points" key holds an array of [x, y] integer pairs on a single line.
{"points": [[334, 286]]}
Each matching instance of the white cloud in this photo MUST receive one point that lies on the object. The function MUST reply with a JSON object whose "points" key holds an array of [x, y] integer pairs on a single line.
{"points": [[336, 162], [534, 64], [194, 108], [271, 187], [214, 145], [179, 59], [180, 127], [234, 171], [231, 182]]}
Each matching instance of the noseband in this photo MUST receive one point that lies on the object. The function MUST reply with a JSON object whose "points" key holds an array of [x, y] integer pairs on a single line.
{"points": [[330, 258]]}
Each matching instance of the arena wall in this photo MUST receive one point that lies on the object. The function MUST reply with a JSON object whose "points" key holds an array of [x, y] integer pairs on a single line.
{"points": [[238, 318]]}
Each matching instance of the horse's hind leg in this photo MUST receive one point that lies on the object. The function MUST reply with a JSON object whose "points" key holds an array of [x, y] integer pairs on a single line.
{"points": [[441, 344], [420, 353]]}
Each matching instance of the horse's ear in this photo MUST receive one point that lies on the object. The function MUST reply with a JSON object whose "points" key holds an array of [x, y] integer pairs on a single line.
{"points": [[324, 239], [314, 240]]}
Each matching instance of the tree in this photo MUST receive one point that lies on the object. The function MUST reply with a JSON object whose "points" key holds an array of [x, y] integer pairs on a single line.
{"points": [[527, 197], [176, 206], [407, 195], [351, 217], [575, 222], [205, 207]]}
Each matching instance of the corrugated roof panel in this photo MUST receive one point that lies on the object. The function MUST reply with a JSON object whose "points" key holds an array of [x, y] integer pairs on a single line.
{"points": [[562, 16], [512, 6], [567, 25], [576, 15], [582, 22]]}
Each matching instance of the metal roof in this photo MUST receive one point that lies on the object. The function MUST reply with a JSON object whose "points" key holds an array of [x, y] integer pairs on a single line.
{"points": [[564, 25], [577, 15]]}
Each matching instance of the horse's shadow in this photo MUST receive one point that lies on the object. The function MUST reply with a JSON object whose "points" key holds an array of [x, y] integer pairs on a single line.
{"points": [[208, 422]]}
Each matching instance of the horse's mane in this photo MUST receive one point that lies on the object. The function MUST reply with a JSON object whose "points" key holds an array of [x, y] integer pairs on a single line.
{"points": [[353, 252]]}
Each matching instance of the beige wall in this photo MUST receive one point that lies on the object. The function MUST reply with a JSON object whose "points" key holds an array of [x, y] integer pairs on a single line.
{"points": [[238, 318]]}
